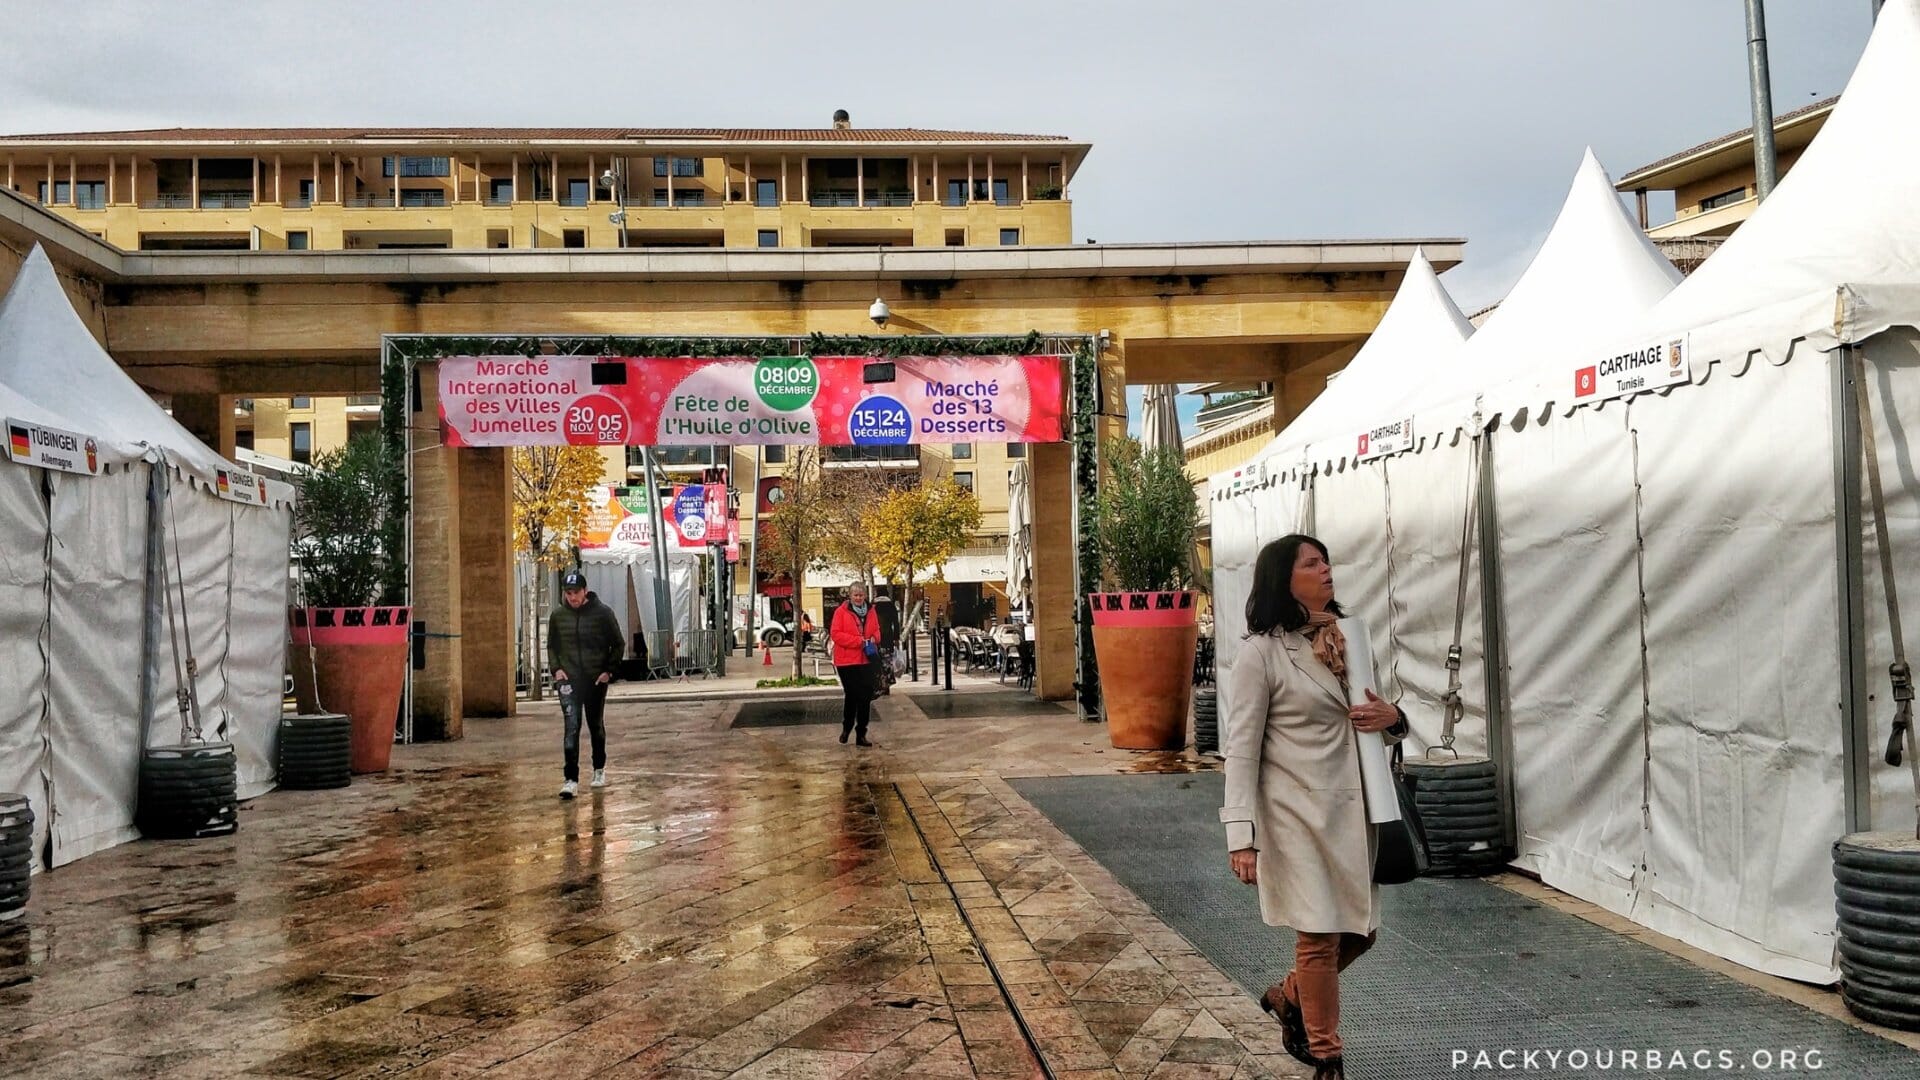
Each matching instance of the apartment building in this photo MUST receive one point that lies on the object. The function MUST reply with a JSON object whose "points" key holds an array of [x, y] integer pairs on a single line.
{"points": [[1713, 184]]}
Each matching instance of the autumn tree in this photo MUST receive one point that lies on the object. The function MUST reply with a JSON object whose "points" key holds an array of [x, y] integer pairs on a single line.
{"points": [[921, 527], [550, 485], [848, 540]]}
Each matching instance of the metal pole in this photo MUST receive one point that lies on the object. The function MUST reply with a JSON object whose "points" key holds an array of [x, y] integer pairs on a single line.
{"points": [[1764, 161], [1855, 724], [1876, 9], [753, 574], [662, 595]]}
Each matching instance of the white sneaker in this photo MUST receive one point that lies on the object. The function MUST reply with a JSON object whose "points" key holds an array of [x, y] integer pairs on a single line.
{"points": [[568, 789], [599, 778]]}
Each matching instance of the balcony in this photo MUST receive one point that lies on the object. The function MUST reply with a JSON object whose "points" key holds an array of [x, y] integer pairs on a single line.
{"points": [[225, 200], [299, 204], [673, 457], [689, 200], [168, 202], [849, 198], [500, 200], [872, 456], [360, 403]]}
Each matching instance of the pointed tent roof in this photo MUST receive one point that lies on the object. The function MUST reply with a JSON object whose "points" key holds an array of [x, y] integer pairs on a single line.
{"points": [[1422, 330], [1844, 221], [53, 372], [1595, 271]]}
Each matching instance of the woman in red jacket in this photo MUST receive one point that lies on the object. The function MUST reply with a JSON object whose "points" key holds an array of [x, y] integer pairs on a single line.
{"points": [[855, 633]]}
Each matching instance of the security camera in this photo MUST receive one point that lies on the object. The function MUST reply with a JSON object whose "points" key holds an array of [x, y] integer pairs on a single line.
{"points": [[879, 313]]}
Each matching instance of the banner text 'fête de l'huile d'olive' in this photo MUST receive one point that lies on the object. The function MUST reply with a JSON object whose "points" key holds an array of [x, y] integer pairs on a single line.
{"points": [[825, 400]]}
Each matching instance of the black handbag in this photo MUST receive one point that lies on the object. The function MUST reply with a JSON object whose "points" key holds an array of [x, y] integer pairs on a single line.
{"points": [[1401, 854]]}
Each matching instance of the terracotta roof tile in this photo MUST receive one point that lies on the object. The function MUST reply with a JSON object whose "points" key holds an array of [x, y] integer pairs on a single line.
{"points": [[1733, 136], [347, 134]]}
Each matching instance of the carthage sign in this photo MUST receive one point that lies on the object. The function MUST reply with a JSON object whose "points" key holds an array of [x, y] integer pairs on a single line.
{"points": [[665, 401]]}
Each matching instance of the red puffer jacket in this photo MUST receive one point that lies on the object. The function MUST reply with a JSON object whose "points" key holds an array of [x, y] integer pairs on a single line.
{"points": [[850, 638]]}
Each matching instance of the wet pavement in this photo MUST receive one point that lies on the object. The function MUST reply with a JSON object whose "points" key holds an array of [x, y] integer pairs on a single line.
{"points": [[751, 900]]}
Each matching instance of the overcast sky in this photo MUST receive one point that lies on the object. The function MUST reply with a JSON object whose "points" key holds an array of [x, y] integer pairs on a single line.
{"points": [[1270, 120]]}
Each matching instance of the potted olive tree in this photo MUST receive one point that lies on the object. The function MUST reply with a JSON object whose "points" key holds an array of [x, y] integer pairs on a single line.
{"points": [[349, 639], [1144, 625]]}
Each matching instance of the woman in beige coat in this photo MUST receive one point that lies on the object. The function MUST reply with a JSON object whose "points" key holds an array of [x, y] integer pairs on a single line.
{"points": [[1296, 822]]}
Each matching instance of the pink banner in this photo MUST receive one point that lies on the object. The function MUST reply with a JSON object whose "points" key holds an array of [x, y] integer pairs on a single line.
{"points": [[667, 401]]}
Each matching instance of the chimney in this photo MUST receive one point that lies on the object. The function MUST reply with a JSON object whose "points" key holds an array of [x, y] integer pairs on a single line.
{"points": [[841, 120]]}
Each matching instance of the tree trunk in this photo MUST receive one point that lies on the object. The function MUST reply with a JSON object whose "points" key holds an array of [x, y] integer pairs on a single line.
{"points": [[799, 636]]}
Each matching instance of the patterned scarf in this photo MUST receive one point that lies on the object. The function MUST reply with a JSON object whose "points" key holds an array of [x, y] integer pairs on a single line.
{"points": [[1329, 644]]}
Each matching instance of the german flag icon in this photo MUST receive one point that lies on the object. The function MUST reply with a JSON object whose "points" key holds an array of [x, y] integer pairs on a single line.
{"points": [[21, 440]]}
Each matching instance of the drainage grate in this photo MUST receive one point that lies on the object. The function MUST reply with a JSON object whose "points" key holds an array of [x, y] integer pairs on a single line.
{"points": [[1460, 964], [789, 713], [944, 706]]}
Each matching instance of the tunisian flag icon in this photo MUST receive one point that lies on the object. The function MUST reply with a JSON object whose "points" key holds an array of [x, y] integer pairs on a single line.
{"points": [[1586, 382]]}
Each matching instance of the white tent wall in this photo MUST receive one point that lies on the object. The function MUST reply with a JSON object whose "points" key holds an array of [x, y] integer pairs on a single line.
{"points": [[1569, 573], [1348, 509], [199, 546], [1428, 493], [256, 662], [1893, 386], [1746, 748], [23, 645], [608, 575], [99, 559]]}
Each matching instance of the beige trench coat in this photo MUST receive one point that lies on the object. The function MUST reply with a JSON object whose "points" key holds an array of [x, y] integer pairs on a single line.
{"points": [[1293, 788]]}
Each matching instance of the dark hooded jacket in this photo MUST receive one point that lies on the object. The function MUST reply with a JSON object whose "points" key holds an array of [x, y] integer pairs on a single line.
{"points": [[585, 641]]}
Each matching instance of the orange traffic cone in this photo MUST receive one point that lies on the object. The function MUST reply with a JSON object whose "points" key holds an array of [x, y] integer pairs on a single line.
{"points": [[766, 653]]}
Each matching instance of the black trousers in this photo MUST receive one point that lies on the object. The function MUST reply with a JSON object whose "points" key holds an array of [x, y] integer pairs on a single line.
{"points": [[590, 699], [857, 681]]}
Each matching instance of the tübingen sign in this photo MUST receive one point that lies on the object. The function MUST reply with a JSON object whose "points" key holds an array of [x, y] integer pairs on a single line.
{"points": [[826, 400]]}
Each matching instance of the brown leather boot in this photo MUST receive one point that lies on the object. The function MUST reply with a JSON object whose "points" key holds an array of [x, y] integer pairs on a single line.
{"points": [[1332, 1068]]}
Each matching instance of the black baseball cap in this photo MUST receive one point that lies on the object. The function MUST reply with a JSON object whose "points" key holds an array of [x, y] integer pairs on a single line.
{"points": [[573, 579]]}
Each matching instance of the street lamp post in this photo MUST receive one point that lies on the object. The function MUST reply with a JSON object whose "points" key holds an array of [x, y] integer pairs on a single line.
{"points": [[614, 179]]}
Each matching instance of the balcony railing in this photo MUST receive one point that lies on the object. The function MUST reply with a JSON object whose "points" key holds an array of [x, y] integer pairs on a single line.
{"points": [[168, 202], [225, 200], [370, 202], [299, 204], [871, 455], [500, 200], [673, 457], [362, 401], [691, 200], [848, 198], [573, 200]]}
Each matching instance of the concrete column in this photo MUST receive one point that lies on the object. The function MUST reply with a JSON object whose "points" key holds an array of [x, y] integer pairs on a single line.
{"points": [[1050, 470], [209, 417], [439, 689], [486, 580]]}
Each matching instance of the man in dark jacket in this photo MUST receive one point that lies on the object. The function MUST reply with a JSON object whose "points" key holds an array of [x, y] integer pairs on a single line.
{"points": [[584, 647], [889, 615]]}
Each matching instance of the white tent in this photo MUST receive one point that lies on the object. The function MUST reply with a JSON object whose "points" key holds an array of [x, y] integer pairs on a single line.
{"points": [[1422, 329], [87, 668], [623, 579]]}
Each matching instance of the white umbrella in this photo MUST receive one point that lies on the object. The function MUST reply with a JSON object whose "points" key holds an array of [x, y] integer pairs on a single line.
{"points": [[1160, 417], [1019, 535]]}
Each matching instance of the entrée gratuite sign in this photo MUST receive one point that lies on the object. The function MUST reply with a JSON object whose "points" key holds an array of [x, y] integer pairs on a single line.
{"points": [[678, 400]]}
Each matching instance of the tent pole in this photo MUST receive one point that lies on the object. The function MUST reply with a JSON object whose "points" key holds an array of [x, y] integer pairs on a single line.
{"points": [[662, 588], [1856, 738], [1493, 643], [150, 618]]}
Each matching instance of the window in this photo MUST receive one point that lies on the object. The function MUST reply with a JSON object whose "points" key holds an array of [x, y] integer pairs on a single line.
{"points": [[956, 237], [417, 166], [418, 197], [1009, 237], [1016, 449], [689, 198], [681, 166], [956, 193], [301, 437], [1725, 198], [573, 238], [296, 241], [496, 238], [769, 237], [577, 191], [964, 480], [306, 194], [1000, 194], [302, 403], [243, 438], [962, 451], [776, 454], [766, 193], [90, 194], [61, 193], [499, 190]]}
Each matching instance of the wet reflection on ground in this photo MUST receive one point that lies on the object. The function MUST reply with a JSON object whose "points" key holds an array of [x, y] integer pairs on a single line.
{"points": [[753, 902]]}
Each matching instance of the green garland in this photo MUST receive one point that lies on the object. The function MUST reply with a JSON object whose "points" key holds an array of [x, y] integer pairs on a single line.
{"points": [[394, 380], [1086, 489]]}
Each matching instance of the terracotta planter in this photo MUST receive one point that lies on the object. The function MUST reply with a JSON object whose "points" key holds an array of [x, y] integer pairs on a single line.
{"points": [[1144, 643], [359, 656]]}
